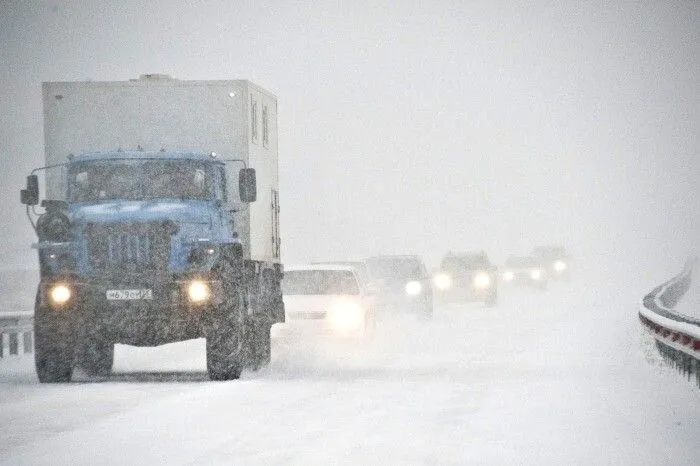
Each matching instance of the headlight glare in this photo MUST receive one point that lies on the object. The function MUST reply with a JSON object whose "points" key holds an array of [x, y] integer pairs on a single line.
{"points": [[559, 266], [508, 276], [482, 280], [413, 288], [60, 294], [536, 274], [345, 316], [442, 281], [198, 292]]}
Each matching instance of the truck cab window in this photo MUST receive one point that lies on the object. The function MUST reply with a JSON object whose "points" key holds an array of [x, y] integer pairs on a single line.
{"points": [[140, 179]]}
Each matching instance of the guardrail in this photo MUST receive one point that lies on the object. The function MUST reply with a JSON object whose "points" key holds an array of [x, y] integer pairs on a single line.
{"points": [[677, 336], [16, 333]]}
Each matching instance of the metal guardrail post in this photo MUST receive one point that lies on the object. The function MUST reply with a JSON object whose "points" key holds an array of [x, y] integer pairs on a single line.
{"points": [[14, 344], [28, 342]]}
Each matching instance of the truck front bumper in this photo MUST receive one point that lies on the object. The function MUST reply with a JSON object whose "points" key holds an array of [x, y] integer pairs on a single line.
{"points": [[145, 313]]}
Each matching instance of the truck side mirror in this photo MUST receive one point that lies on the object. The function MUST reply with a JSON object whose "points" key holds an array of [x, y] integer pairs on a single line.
{"points": [[30, 196], [247, 187]]}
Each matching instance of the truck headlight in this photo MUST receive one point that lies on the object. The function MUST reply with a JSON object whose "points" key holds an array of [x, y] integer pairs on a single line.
{"points": [[442, 281], [536, 274], [482, 280], [559, 266], [60, 294], [413, 288], [198, 292], [508, 276]]}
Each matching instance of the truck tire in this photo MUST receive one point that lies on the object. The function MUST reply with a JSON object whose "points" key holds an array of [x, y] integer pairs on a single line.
{"points": [[98, 355], [54, 345], [260, 344], [272, 311], [226, 345]]}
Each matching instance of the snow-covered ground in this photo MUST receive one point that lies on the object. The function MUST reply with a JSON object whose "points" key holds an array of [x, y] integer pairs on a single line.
{"points": [[562, 377]]}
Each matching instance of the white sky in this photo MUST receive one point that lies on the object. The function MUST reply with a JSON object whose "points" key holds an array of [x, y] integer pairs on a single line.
{"points": [[413, 128]]}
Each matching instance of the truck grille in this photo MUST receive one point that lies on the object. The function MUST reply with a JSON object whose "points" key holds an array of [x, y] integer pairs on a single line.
{"points": [[128, 246]]}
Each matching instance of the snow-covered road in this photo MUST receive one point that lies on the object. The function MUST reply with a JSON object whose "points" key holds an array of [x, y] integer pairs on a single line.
{"points": [[563, 377]]}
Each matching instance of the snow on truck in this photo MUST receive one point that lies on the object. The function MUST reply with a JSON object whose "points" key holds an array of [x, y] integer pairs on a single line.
{"points": [[160, 222]]}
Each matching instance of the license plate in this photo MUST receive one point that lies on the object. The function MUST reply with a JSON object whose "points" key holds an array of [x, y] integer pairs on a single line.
{"points": [[126, 295]]}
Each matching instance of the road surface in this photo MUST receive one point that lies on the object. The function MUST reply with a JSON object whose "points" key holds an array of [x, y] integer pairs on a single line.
{"points": [[561, 377]]}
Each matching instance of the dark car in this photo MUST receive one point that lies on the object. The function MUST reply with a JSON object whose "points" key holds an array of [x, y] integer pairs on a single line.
{"points": [[467, 277], [524, 270], [403, 284], [555, 260]]}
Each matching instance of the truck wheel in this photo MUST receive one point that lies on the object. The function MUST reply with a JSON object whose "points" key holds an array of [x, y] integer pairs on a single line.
{"points": [[260, 344], [98, 355], [226, 342], [53, 347]]}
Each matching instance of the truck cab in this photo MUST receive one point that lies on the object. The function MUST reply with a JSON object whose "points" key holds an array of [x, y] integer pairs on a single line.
{"points": [[136, 212], [148, 247]]}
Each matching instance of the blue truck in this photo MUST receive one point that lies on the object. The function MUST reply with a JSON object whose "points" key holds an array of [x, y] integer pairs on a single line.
{"points": [[160, 223]]}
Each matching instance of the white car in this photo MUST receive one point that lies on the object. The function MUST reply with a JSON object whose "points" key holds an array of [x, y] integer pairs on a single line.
{"points": [[326, 299]]}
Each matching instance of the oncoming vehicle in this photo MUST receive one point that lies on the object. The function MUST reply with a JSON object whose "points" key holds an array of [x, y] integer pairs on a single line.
{"points": [[403, 285], [524, 270], [159, 244], [467, 277], [325, 299], [555, 259]]}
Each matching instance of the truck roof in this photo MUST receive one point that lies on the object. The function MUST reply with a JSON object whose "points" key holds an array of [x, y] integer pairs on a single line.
{"points": [[117, 154]]}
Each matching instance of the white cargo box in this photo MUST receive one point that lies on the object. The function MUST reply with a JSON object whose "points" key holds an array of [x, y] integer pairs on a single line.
{"points": [[235, 119]]}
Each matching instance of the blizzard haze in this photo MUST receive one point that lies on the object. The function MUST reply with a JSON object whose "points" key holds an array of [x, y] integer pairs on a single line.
{"points": [[412, 128]]}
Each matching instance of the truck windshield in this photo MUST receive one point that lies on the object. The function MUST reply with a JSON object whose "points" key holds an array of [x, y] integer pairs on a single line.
{"points": [[139, 179]]}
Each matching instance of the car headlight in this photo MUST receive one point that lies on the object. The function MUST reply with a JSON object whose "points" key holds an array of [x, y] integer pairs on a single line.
{"points": [[442, 281], [536, 274], [482, 280], [60, 294], [508, 276], [198, 292], [559, 266], [413, 288], [345, 316]]}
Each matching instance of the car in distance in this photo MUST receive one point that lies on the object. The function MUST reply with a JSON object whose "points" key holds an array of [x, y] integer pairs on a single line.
{"points": [[524, 270], [403, 285], [467, 277], [555, 260], [325, 299]]}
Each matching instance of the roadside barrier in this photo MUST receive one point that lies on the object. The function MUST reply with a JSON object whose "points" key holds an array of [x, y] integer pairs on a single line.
{"points": [[16, 333], [677, 336]]}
